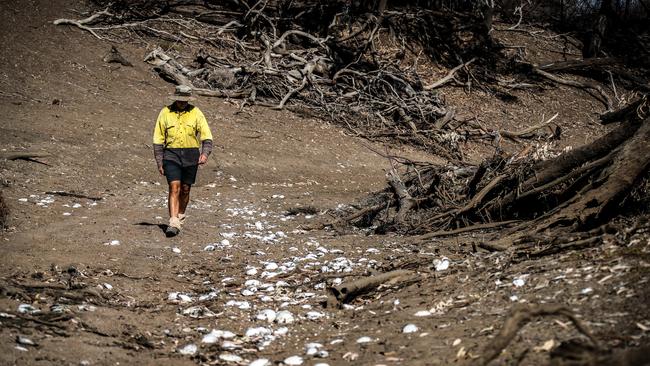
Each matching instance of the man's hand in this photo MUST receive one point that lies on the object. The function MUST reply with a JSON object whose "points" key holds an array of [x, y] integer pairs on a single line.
{"points": [[203, 159], [161, 170]]}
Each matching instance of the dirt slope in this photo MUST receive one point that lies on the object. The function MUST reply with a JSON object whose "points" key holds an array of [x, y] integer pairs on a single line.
{"points": [[95, 119]]}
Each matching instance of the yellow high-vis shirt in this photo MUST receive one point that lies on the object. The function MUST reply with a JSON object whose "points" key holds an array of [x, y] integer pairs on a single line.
{"points": [[181, 129]]}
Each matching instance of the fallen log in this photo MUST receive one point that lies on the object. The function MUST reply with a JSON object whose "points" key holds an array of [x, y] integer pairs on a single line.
{"points": [[346, 292]]}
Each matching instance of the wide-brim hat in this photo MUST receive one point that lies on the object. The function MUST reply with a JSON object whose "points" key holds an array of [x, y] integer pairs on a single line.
{"points": [[182, 93]]}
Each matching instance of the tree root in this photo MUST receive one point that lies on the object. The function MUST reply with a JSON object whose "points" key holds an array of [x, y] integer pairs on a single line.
{"points": [[518, 319]]}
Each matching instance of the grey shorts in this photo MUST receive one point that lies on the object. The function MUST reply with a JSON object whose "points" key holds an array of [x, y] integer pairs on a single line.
{"points": [[176, 172]]}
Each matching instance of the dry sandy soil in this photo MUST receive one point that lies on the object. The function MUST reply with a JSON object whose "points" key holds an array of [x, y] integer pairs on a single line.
{"points": [[94, 281]]}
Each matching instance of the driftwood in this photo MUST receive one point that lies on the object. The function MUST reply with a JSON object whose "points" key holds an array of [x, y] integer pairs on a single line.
{"points": [[346, 292]]}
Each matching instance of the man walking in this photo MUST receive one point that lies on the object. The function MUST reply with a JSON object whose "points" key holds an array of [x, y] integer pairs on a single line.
{"points": [[181, 129]]}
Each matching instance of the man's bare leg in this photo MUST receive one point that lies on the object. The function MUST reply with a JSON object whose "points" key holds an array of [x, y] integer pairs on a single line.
{"points": [[173, 201], [184, 198]]}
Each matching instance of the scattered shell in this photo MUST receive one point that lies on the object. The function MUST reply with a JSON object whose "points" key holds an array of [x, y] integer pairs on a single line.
{"points": [[441, 264], [312, 348], [410, 328], [179, 297], [25, 341], [586, 291], [189, 349], [293, 360], [229, 357], [114, 242], [252, 283], [251, 271], [456, 342], [257, 332], [243, 305], [176, 250], [209, 248], [260, 362], [518, 282], [216, 334], [281, 331], [271, 266], [247, 292], [230, 345], [108, 286], [284, 317], [198, 312], [314, 315], [209, 296], [423, 313], [364, 340], [85, 307], [266, 315], [27, 309]]}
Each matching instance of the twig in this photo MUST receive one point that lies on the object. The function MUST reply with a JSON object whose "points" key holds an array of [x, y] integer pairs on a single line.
{"points": [[449, 76]]}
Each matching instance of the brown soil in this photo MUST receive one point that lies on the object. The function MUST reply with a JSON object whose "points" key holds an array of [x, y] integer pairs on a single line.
{"points": [[95, 119]]}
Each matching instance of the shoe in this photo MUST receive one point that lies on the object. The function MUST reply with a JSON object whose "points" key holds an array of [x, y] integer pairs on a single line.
{"points": [[174, 227], [171, 231]]}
